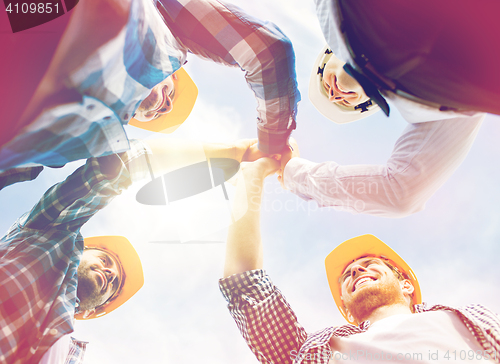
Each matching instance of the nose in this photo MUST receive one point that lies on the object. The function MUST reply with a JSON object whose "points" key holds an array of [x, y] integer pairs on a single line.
{"points": [[335, 96], [356, 270], [167, 105], [110, 274]]}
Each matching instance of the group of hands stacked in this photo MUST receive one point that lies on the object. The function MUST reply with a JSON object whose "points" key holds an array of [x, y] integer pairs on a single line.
{"points": [[262, 164]]}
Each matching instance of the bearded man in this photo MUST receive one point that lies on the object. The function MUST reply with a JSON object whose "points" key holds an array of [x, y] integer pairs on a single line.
{"points": [[374, 288]]}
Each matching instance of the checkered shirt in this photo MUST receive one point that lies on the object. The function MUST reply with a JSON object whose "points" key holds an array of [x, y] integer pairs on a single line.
{"points": [[76, 351], [273, 333], [121, 73], [41, 251], [16, 175], [225, 34]]}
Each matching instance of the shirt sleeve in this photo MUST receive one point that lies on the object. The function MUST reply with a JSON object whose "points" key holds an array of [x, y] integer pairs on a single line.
{"points": [[424, 157], [227, 35], [263, 316], [69, 204], [15, 175]]}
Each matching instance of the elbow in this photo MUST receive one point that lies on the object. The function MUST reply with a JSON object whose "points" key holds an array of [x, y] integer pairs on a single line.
{"points": [[403, 205], [404, 208], [407, 192]]}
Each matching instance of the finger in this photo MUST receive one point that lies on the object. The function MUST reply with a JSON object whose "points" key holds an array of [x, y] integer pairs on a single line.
{"points": [[274, 165]]}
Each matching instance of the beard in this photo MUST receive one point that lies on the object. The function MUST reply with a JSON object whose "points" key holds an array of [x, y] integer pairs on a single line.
{"points": [[87, 290], [369, 298]]}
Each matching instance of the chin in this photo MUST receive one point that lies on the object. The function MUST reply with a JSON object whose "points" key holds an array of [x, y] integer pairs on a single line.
{"points": [[87, 290], [368, 299]]}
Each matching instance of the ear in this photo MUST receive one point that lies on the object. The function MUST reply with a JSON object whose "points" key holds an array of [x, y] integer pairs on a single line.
{"points": [[349, 316], [406, 287], [88, 313]]}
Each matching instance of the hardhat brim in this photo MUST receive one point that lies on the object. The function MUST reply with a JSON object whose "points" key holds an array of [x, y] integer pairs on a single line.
{"points": [[131, 268], [186, 93], [358, 247], [337, 113]]}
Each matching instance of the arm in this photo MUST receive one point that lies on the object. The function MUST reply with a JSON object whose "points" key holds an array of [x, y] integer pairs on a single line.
{"points": [[262, 314], [244, 243], [233, 38], [424, 157], [92, 24], [91, 187], [69, 204], [15, 175]]}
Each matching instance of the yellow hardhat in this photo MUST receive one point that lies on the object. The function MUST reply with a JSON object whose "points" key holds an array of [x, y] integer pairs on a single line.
{"points": [[183, 102], [131, 271], [359, 247]]}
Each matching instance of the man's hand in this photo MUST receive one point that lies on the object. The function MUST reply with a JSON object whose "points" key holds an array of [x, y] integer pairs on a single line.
{"points": [[246, 150], [288, 153], [261, 168]]}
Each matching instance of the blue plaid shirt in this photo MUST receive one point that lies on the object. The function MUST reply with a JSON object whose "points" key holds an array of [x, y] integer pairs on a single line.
{"points": [[41, 251], [121, 73]]}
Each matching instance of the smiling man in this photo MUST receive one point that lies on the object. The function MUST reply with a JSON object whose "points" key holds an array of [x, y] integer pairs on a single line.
{"points": [[100, 275], [160, 101], [434, 63], [50, 274], [374, 289], [120, 62]]}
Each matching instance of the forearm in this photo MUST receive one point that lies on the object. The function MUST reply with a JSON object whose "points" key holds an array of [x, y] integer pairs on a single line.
{"points": [[170, 154], [259, 48], [90, 188], [244, 243], [423, 158]]}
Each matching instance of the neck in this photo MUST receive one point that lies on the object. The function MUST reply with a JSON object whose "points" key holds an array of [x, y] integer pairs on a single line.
{"points": [[386, 311]]}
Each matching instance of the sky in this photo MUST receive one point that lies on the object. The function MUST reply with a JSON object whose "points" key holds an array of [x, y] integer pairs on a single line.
{"points": [[179, 316]]}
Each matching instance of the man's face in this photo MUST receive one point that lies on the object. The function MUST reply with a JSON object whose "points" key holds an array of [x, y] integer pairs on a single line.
{"points": [[158, 102], [339, 86], [99, 278], [367, 284]]}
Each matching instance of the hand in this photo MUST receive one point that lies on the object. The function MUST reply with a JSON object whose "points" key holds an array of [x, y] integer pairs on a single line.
{"points": [[287, 153], [262, 167], [253, 153], [247, 151]]}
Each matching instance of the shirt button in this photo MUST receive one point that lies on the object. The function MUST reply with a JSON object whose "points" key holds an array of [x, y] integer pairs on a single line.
{"points": [[90, 107], [125, 117], [107, 118], [53, 332]]}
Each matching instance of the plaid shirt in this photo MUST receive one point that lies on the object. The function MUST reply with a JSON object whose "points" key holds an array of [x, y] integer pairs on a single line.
{"points": [[121, 73], [15, 175], [41, 251], [273, 333]]}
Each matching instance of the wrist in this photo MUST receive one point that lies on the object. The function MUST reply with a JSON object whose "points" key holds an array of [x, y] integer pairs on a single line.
{"points": [[220, 150]]}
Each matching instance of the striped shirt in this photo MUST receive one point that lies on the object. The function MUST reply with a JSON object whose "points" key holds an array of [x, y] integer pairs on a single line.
{"points": [[273, 333], [424, 157], [41, 251], [120, 74], [426, 154]]}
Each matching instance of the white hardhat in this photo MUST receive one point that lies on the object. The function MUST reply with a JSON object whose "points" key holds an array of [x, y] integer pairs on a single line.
{"points": [[338, 113]]}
